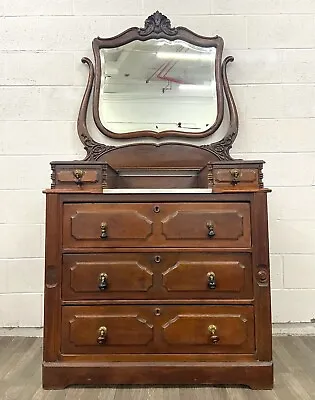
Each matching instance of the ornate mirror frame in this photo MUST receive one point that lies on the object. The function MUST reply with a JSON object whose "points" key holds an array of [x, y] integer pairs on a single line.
{"points": [[158, 26]]}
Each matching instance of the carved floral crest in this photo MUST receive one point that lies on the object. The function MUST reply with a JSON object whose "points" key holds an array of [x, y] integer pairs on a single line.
{"points": [[157, 23]]}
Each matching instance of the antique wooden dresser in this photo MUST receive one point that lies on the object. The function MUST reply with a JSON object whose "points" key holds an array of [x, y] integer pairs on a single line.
{"points": [[157, 263]]}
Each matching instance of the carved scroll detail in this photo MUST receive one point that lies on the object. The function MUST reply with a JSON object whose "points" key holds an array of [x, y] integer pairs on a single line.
{"points": [[222, 148], [94, 150], [157, 23], [262, 276]]}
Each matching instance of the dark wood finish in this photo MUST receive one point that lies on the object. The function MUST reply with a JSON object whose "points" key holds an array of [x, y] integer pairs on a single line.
{"points": [[150, 275], [228, 176], [220, 150], [157, 276], [157, 288], [172, 225], [257, 375], [82, 176], [168, 329], [157, 26]]}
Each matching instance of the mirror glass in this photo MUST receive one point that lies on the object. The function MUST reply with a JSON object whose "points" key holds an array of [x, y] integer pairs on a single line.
{"points": [[158, 85]]}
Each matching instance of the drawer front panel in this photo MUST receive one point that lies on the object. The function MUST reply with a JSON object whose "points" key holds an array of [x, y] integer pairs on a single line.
{"points": [[167, 224], [106, 329], [107, 225], [212, 225], [107, 276], [215, 329], [165, 329], [157, 276], [80, 177]]}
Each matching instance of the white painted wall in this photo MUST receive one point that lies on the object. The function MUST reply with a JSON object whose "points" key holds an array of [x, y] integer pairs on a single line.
{"points": [[41, 85]]}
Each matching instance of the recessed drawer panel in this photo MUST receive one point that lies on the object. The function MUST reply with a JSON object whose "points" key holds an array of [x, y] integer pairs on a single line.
{"points": [[212, 225], [157, 276], [106, 329], [107, 225], [214, 329], [151, 329], [167, 224]]}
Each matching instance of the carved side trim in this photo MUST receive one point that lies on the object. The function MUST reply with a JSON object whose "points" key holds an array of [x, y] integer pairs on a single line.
{"points": [[222, 147], [53, 176], [260, 178], [157, 23], [94, 150], [104, 176]]}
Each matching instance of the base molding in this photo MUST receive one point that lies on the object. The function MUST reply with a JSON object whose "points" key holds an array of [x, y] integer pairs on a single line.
{"points": [[256, 375]]}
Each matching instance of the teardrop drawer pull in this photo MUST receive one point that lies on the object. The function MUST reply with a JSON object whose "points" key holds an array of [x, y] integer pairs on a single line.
{"points": [[102, 281], [78, 175], [212, 284], [104, 230], [102, 335], [235, 173], [211, 232], [212, 329]]}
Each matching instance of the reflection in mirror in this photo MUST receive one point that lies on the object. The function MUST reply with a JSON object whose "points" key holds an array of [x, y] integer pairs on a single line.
{"points": [[158, 85]]}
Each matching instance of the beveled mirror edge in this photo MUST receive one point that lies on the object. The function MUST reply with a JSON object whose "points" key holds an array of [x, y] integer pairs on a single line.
{"points": [[158, 26]]}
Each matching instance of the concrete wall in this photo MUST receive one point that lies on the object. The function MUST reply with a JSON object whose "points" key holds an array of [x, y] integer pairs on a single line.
{"points": [[41, 85]]}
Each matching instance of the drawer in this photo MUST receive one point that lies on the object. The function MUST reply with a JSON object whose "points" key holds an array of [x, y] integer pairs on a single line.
{"points": [[151, 329], [229, 176], [82, 176], [157, 276], [88, 225]]}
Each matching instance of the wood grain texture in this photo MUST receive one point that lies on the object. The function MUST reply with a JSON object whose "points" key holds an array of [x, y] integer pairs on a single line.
{"points": [[20, 377]]}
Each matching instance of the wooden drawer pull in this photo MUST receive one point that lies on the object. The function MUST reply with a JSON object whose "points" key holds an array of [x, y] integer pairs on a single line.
{"points": [[102, 335], [211, 232], [102, 281], [212, 284], [103, 230], [212, 332]]}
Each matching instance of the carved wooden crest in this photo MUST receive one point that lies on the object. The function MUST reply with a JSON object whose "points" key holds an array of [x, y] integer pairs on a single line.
{"points": [[157, 23]]}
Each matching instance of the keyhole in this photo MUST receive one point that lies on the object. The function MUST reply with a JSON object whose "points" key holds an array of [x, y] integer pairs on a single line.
{"points": [[156, 209], [157, 311]]}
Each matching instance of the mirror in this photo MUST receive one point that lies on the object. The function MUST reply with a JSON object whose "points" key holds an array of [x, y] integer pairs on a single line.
{"points": [[158, 85], [158, 81]]}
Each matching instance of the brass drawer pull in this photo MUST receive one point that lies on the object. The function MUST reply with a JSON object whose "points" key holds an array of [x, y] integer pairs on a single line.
{"points": [[212, 329], [102, 281], [211, 232], [78, 175], [212, 284], [103, 230], [102, 335], [235, 173]]}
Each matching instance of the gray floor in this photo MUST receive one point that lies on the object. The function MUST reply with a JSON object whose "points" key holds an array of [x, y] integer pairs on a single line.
{"points": [[20, 377]]}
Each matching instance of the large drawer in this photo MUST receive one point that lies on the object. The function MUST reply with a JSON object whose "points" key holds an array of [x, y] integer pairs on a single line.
{"points": [[94, 225], [151, 329], [157, 276]]}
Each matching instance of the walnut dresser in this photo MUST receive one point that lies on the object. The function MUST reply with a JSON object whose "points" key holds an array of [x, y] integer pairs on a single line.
{"points": [[157, 263]]}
